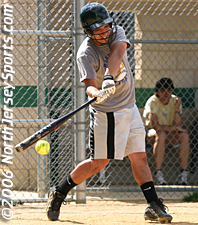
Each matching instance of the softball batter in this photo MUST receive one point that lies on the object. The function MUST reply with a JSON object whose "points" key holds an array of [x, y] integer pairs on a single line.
{"points": [[116, 128]]}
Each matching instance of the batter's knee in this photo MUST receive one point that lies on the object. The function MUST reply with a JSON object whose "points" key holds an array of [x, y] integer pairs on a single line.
{"points": [[99, 164], [138, 156]]}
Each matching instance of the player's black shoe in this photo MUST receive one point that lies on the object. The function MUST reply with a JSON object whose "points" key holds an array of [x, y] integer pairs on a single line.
{"points": [[54, 202], [156, 211]]}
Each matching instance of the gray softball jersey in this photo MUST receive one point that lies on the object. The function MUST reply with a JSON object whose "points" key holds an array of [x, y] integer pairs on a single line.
{"points": [[92, 62]]}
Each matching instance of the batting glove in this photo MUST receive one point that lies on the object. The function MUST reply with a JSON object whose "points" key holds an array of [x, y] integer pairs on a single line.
{"points": [[101, 96], [108, 85]]}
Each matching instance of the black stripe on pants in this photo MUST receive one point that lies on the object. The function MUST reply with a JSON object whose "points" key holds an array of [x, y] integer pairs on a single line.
{"points": [[91, 134], [110, 135]]}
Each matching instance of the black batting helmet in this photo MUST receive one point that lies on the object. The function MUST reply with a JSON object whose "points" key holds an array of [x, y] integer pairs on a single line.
{"points": [[94, 15]]}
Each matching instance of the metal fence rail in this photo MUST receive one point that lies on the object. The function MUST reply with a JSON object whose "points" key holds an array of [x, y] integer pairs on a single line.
{"points": [[46, 36]]}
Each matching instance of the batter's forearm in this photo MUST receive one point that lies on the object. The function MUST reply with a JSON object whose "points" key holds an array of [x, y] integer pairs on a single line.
{"points": [[113, 65], [117, 52]]}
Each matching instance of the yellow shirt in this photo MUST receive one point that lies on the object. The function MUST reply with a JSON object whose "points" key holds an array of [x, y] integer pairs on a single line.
{"points": [[165, 113]]}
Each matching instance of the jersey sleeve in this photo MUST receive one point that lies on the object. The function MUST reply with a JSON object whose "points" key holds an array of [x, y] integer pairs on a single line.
{"points": [[152, 107], [86, 69], [120, 36]]}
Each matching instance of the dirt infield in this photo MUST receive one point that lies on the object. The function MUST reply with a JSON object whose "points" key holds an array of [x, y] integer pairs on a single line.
{"points": [[102, 213]]}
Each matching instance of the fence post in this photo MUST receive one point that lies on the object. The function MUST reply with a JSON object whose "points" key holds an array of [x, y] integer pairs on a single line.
{"points": [[41, 160], [80, 135]]}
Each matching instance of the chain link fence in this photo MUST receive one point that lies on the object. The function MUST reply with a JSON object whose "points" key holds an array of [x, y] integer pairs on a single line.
{"points": [[46, 85]]}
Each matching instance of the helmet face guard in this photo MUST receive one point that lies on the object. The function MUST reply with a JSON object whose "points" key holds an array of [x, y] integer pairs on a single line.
{"points": [[93, 16]]}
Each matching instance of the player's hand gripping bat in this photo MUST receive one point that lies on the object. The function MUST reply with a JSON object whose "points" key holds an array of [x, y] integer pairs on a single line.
{"points": [[49, 128]]}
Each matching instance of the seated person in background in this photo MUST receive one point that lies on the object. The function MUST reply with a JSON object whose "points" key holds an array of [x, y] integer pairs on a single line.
{"points": [[163, 123], [194, 138]]}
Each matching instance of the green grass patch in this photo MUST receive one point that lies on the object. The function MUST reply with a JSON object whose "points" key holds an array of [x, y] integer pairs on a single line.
{"points": [[191, 197], [13, 203]]}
